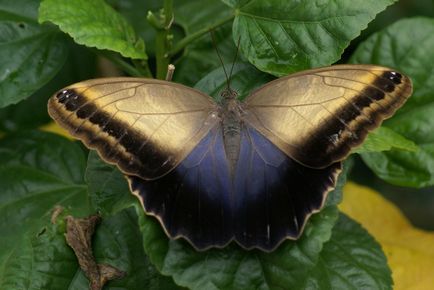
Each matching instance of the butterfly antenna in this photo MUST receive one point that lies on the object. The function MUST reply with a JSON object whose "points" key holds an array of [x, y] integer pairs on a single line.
{"points": [[234, 61], [220, 57]]}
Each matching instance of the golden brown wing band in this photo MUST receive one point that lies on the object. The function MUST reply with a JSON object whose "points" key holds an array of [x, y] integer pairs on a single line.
{"points": [[144, 126], [318, 116]]}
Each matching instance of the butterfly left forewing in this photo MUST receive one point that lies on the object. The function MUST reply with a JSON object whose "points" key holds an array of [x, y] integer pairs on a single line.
{"points": [[317, 116], [144, 126]]}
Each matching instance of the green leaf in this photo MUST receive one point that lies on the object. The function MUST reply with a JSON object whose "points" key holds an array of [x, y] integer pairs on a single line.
{"points": [[108, 189], [40, 261], [30, 54], [94, 24], [385, 139], [16, 117], [395, 47], [206, 12], [80, 65], [351, 259], [45, 261], [233, 267], [37, 172], [281, 37], [403, 168]]}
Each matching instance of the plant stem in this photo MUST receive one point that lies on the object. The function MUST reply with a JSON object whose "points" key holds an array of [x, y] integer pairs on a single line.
{"points": [[168, 13], [160, 54], [190, 38], [162, 40]]}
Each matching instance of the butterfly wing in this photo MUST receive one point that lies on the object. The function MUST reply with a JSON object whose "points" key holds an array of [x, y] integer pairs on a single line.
{"points": [[317, 116], [145, 126]]}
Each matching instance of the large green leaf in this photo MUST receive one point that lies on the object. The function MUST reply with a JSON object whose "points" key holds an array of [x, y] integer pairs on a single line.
{"points": [[351, 259], [108, 189], [80, 65], [94, 24], [30, 54], [384, 139], [41, 261], [281, 37], [194, 15], [395, 47], [233, 267], [37, 172], [45, 261]]}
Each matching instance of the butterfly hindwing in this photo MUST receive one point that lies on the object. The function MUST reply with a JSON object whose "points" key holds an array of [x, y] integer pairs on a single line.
{"points": [[144, 126], [266, 200], [317, 116]]}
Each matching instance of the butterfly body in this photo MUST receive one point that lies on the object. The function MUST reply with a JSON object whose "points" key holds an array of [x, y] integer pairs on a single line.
{"points": [[250, 172], [231, 124]]}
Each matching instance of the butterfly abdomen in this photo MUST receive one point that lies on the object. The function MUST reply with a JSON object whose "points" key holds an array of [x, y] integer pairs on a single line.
{"points": [[231, 127]]}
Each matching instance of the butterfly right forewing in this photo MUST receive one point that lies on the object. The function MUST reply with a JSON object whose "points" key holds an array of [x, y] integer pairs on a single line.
{"points": [[317, 116]]}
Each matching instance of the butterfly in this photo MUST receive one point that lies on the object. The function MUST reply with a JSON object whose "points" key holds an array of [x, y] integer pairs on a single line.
{"points": [[252, 172]]}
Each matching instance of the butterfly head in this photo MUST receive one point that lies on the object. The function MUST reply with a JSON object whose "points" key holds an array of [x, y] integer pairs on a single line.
{"points": [[229, 94], [230, 104]]}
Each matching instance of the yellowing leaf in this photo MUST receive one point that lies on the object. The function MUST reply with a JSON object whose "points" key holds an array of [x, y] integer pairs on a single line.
{"points": [[56, 129], [410, 251]]}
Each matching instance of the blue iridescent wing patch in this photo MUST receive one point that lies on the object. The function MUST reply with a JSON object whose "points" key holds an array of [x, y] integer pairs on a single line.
{"points": [[267, 200]]}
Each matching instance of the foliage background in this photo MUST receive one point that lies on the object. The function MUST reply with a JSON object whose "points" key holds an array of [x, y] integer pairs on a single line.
{"points": [[49, 44]]}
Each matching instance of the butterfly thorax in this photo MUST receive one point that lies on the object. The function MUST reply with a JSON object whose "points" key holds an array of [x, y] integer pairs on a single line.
{"points": [[231, 124]]}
